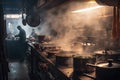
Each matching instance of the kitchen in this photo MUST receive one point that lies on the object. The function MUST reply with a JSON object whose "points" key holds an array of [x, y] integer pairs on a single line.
{"points": [[76, 39]]}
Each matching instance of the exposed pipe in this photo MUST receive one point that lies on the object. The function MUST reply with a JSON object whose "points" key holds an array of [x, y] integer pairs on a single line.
{"points": [[117, 21], [114, 23], [116, 26]]}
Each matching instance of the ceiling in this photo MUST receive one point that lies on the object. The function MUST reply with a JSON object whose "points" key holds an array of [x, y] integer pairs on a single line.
{"points": [[16, 6], [34, 6], [11, 6]]}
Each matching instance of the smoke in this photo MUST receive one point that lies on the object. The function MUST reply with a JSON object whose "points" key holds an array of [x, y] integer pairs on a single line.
{"points": [[66, 27]]}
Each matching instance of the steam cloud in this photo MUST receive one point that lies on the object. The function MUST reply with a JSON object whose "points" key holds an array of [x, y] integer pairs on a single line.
{"points": [[66, 27]]}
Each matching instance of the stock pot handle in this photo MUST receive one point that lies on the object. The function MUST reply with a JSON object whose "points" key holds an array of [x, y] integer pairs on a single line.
{"points": [[110, 62]]}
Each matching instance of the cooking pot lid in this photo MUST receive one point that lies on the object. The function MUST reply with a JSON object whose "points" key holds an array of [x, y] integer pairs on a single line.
{"points": [[53, 51], [110, 52], [84, 56], [64, 55], [108, 65]]}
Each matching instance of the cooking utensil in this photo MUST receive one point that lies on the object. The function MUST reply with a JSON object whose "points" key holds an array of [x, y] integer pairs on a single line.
{"points": [[106, 71]]}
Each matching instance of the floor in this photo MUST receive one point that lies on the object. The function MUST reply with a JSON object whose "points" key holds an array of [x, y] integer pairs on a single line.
{"points": [[18, 71]]}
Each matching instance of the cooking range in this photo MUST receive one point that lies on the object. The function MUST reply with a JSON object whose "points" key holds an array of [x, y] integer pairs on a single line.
{"points": [[99, 65], [67, 39]]}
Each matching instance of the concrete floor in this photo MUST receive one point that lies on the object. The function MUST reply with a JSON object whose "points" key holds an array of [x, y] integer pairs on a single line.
{"points": [[18, 71]]}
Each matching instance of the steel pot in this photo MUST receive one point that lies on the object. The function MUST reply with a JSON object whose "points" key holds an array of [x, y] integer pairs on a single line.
{"points": [[103, 55], [64, 59], [79, 63], [33, 20], [41, 38], [106, 71], [51, 53]]}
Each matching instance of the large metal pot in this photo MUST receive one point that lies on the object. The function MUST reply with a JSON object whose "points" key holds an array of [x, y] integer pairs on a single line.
{"points": [[41, 38], [51, 53], [106, 71], [64, 59], [103, 55], [33, 20], [79, 63]]}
